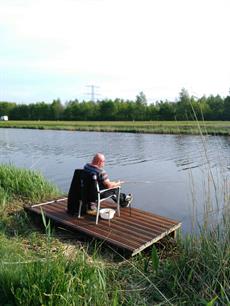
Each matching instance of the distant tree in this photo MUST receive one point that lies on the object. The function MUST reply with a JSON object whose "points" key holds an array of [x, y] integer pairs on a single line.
{"points": [[184, 96], [152, 112], [56, 109], [207, 108], [201, 109], [40, 111], [71, 111], [141, 99], [166, 111], [6, 108], [139, 111], [123, 109], [91, 110], [226, 110], [107, 110], [86, 110], [20, 112], [183, 106], [216, 105]]}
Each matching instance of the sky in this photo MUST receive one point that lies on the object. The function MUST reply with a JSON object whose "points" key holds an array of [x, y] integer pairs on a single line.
{"points": [[53, 49]]}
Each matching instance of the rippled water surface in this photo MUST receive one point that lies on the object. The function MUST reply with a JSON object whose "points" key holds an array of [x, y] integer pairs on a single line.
{"points": [[169, 175]]}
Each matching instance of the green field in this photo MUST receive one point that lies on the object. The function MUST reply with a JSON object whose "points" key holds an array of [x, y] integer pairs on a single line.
{"points": [[158, 127]]}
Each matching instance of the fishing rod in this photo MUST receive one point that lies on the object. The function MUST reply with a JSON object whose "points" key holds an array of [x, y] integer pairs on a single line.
{"points": [[148, 182]]}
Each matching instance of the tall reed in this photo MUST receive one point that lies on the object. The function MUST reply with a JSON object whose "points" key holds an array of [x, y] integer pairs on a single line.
{"points": [[25, 185], [198, 272]]}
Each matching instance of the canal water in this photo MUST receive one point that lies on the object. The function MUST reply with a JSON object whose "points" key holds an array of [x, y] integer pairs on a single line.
{"points": [[172, 175]]}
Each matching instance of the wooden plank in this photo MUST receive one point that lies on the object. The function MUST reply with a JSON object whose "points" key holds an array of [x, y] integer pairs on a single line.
{"points": [[133, 232], [89, 228], [117, 226]]}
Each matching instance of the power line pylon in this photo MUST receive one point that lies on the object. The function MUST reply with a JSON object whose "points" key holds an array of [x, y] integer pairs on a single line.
{"points": [[92, 92]]}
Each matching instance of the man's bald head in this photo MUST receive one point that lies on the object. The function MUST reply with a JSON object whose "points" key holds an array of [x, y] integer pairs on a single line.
{"points": [[98, 160]]}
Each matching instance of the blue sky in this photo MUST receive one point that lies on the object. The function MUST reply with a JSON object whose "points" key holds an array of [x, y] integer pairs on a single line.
{"points": [[54, 49]]}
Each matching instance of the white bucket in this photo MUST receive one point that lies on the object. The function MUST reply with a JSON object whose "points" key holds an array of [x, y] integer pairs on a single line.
{"points": [[107, 213]]}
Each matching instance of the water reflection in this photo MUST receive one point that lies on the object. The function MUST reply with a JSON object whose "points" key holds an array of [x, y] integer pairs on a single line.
{"points": [[166, 173]]}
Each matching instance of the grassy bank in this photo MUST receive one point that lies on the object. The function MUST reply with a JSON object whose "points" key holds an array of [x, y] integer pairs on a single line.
{"points": [[51, 268], [158, 127]]}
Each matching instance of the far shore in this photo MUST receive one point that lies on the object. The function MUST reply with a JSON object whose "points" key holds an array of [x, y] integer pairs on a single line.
{"points": [[154, 127]]}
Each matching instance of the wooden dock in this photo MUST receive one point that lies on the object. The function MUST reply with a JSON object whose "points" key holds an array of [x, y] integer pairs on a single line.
{"points": [[133, 231]]}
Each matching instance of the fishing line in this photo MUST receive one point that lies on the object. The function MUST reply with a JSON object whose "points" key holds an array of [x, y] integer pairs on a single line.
{"points": [[150, 182]]}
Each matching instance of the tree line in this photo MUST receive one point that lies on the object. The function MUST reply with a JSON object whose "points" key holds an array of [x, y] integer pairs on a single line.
{"points": [[186, 107]]}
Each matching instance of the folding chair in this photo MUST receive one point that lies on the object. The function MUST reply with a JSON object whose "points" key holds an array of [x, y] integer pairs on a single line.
{"points": [[85, 189]]}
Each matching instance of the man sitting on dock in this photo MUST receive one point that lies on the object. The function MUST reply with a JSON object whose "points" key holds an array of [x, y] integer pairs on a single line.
{"points": [[97, 167]]}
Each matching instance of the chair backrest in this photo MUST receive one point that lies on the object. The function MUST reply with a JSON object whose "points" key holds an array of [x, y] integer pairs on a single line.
{"points": [[84, 187], [89, 186]]}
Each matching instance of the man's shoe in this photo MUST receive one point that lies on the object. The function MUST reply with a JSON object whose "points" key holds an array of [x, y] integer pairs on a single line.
{"points": [[91, 212], [128, 200]]}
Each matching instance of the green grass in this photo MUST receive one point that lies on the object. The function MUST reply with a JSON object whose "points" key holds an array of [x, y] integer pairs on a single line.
{"points": [[53, 278], [198, 274], [159, 127], [44, 268]]}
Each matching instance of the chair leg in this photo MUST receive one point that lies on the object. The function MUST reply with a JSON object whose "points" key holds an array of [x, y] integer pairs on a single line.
{"points": [[118, 202], [79, 211], [98, 208]]}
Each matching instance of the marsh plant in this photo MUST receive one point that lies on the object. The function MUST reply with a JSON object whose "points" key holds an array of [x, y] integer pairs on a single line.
{"points": [[197, 270], [24, 185]]}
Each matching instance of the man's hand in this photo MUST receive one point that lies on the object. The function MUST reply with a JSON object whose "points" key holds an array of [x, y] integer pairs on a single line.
{"points": [[120, 182], [109, 184]]}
